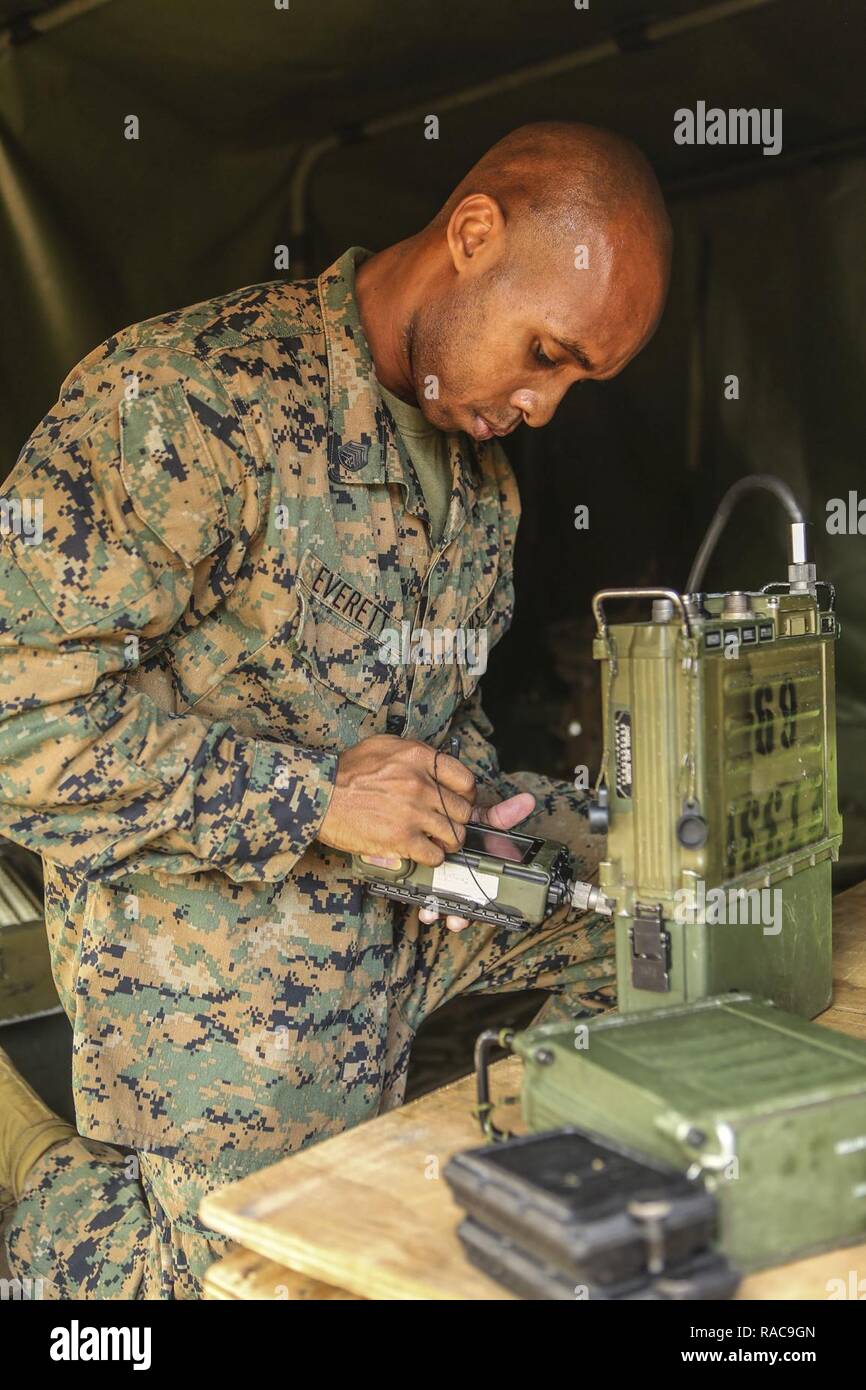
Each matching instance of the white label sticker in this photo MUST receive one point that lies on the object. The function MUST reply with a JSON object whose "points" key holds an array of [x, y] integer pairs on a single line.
{"points": [[469, 883]]}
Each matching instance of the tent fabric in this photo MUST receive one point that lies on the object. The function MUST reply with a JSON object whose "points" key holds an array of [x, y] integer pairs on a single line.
{"points": [[97, 231]]}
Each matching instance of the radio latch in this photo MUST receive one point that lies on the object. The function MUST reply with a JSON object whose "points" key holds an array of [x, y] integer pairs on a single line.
{"points": [[650, 949]]}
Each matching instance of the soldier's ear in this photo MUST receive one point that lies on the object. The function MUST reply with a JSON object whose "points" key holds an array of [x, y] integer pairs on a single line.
{"points": [[476, 234]]}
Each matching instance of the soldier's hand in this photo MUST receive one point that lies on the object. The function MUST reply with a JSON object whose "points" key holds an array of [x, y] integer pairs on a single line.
{"points": [[386, 802], [503, 815]]}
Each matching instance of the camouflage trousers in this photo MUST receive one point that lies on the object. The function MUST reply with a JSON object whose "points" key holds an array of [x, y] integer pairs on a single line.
{"points": [[96, 1222]]}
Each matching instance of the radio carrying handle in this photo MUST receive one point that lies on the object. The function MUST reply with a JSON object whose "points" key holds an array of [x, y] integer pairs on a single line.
{"points": [[604, 595]]}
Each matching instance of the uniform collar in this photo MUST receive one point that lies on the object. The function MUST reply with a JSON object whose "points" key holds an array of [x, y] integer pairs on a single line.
{"points": [[357, 447], [363, 443]]}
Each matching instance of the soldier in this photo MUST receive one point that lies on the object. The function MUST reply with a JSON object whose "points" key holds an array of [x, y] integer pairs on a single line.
{"points": [[236, 501]]}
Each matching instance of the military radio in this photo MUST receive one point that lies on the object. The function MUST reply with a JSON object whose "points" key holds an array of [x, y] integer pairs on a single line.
{"points": [[717, 787], [497, 876]]}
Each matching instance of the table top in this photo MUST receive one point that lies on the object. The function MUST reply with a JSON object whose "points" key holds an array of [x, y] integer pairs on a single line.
{"points": [[368, 1214]]}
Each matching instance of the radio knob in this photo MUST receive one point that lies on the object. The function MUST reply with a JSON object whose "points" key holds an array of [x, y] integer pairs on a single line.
{"points": [[692, 828], [737, 605], [663, 610]]}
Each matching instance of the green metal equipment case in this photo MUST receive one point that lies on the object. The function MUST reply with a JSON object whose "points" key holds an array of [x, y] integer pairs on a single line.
{"points": [[768, 1108], [720, 769]]}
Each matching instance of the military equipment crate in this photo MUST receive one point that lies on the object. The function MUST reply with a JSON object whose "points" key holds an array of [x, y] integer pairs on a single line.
{"points": [[769, 1109]]}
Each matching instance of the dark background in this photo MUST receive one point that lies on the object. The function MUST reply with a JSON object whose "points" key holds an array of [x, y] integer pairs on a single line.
{"points": [[97, 231]]}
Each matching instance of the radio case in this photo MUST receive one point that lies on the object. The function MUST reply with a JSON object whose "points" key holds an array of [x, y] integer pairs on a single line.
{"points": [[721, 804], [769, 1109]]}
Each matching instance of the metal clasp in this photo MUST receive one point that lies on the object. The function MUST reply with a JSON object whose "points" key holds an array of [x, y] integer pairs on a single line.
{"points": [[650, 949]]}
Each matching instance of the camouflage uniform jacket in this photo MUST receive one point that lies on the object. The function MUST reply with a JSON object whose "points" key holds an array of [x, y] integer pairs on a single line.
{"points": [[229, 522]]}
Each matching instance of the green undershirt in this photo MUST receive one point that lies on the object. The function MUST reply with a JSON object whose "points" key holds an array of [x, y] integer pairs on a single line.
{"points": [[428, 449]]}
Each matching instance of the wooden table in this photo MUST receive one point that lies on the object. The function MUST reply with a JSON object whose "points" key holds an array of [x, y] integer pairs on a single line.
{"points": [[367, 1214]]}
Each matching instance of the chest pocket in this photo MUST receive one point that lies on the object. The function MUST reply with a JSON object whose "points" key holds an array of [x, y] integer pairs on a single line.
{"points": [[345, 659]]}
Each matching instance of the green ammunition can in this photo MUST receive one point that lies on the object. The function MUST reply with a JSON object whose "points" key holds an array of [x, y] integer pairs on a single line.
{"points": [[718, 795], [768, 1108]]}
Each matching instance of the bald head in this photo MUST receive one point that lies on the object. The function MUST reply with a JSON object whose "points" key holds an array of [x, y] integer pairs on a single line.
{"points": [[565, 175], [548, 265]]}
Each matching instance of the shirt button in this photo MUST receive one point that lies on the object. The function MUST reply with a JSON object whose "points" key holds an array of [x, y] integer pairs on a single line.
{"points": [[395, 723]]}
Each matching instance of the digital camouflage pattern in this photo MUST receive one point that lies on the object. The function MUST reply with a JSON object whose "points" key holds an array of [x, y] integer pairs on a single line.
{"points": [[96, 1223], [229, 522]]}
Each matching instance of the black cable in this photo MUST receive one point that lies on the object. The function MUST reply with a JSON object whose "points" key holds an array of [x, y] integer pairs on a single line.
{"points": [[765, 482], [460, 851]]}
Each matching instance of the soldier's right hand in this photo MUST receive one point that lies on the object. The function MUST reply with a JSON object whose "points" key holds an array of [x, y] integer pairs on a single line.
{"points": [[386, 802]]}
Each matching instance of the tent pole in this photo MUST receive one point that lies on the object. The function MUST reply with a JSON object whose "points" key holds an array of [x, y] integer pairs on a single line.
{"points": [[31, 25]]}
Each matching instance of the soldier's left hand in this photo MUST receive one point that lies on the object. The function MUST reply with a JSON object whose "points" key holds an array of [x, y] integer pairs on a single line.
{"points": [[503, 815]]}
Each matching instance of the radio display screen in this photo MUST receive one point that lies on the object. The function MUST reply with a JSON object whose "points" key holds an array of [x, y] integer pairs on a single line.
{"points": [[498, 846]]}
